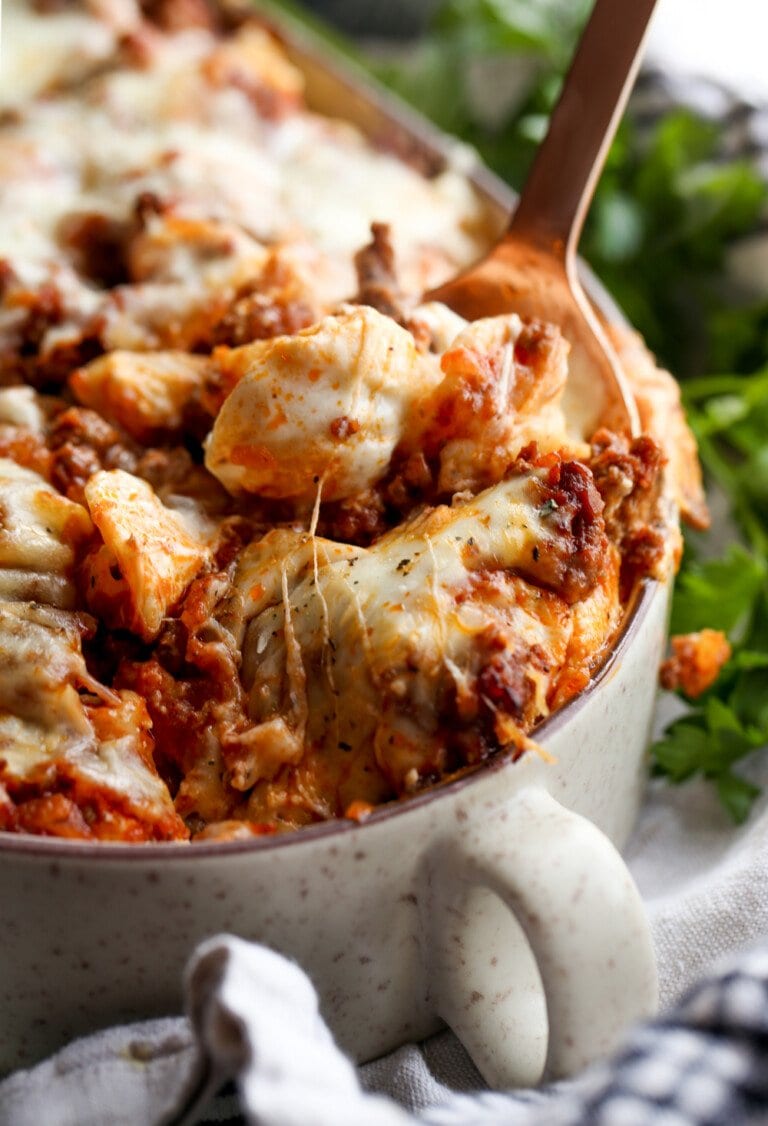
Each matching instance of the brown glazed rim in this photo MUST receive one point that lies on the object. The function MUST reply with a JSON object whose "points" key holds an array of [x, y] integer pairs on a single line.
{"points": [[378, 113]]}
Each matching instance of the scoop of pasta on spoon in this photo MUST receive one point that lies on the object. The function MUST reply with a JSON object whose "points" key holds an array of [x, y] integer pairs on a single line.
{"points": [[532, 270]]}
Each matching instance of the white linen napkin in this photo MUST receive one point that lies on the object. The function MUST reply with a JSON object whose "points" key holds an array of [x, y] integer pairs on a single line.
{"points": [[256, 1018], [705, 883]]}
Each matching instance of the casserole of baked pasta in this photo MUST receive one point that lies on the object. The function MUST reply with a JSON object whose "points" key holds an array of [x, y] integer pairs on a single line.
{"points": [[279, 541]]}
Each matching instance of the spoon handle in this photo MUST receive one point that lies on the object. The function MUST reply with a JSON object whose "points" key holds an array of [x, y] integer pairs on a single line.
{"points": [[562, 179]]}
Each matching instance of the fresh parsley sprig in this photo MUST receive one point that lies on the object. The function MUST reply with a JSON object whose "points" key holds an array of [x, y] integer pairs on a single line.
{"points": [[729, 415]]}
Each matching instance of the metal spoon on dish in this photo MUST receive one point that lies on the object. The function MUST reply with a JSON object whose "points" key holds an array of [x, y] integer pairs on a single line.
{"points": [[532, 270]]}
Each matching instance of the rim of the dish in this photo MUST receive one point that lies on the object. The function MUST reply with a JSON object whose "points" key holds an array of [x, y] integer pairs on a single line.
{"points": [[390, 112], [58, 847]]}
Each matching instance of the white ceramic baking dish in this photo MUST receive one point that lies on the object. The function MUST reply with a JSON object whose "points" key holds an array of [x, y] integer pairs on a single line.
{"points": [[496, 903]]}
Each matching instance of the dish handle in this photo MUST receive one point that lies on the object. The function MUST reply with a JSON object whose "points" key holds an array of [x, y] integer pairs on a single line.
{"points": [[539, 950]]}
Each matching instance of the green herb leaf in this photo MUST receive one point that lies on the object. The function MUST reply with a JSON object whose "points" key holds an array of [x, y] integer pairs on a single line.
{"points": [[719, 593], [737, 795]]}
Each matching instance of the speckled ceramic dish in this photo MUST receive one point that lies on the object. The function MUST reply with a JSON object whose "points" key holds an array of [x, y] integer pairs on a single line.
{"points": [[496, 903]]}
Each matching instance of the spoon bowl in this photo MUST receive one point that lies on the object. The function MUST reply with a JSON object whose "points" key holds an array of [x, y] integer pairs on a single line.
{"points": [[523, 278]]}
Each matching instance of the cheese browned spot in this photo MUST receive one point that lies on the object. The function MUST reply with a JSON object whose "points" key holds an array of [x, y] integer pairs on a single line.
{"points": [[41, 535], [67, 767], [148, 556], [662, 416]]}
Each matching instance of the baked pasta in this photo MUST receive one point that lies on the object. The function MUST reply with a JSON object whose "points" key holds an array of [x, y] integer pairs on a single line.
{"points": [[279, 542]]}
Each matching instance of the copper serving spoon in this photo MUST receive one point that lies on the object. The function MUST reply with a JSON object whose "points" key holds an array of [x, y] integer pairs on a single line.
{"points": [[533, 269]]}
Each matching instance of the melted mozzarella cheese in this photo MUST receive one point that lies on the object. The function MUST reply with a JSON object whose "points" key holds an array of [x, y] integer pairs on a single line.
{"points": [[121, 760], [20, 406], [270, 567], [41, 668], [217, 191], [186, 129], [148, 558], [37, 53], [324, 408], [48, 733], [40, 535], [365, 650], [282, 555], [442, 324]]}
